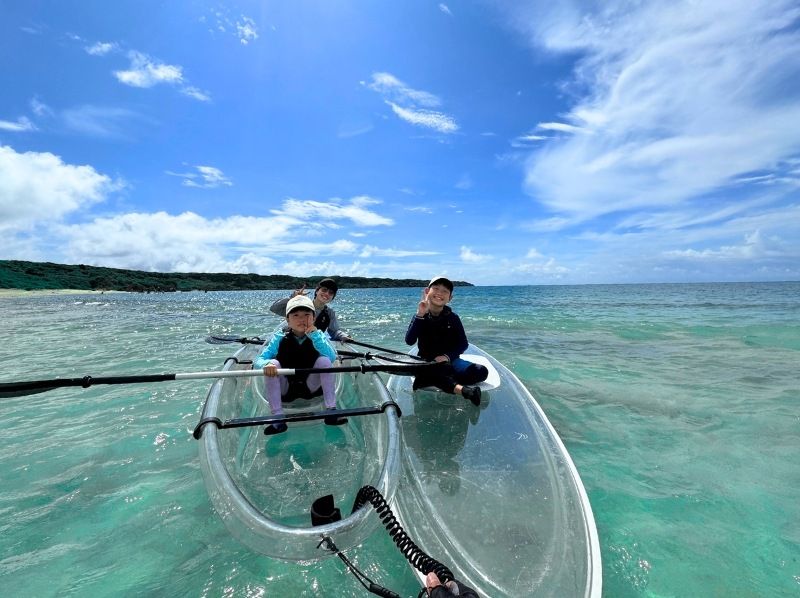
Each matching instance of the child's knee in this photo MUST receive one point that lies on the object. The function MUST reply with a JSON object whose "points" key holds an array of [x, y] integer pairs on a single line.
{"points": [[479, 372], [322, 362]]}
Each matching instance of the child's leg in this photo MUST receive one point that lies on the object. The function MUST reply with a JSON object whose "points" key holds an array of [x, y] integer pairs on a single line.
{"points": [[327, 381], [274, 389], [467, 373]]}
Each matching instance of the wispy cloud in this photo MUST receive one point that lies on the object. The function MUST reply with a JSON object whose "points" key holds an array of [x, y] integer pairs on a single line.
{"points": [[412, 105], [243, 28], [437, 121], [101, 48], [40, 109], [445, 9], [671, 104], [205, 177], [146, 72], [101, 121], [246, 30], [356, 210], [392, 88], [372, 251], [21, 125]]}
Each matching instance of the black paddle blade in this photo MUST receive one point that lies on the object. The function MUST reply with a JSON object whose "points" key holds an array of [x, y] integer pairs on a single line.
{"points": [[224, 339], [14, 389]]}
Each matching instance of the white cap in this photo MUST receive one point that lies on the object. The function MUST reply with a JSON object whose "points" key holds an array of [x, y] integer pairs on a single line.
{"points": [[443, 280], [300, 301]]}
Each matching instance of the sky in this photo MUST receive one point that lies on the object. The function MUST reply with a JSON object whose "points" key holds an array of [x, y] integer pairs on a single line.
{"points": [[497, 142]]}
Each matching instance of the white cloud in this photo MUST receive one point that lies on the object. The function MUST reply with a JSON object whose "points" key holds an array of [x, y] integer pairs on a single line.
{"points": [[206, 177], [392, 88], [101, 48], [437, 121], [22, 125], [412, 105], [195, 93], [372, 251], [445, 9], [147, 72], [533, 254], [562, 127], [753, 247], [39, 186], [246, 30], [469, 256], [313, 213], [189, 242], [677, 100]]}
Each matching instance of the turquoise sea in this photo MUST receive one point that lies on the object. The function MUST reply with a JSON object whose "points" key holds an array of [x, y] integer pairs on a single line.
{"points": [[679, 403]]}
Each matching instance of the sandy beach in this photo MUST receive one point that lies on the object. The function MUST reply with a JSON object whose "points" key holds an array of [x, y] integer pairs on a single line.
{"points": [[16, 293]]}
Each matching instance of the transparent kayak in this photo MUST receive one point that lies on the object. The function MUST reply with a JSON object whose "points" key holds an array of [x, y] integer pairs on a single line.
{"points": [[263, 487], [492, 494]]}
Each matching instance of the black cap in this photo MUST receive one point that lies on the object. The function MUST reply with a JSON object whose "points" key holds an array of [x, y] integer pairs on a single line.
{"points": [[328, 283]]}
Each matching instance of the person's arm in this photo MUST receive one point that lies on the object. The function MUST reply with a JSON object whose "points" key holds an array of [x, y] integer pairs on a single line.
{"points": [[269, 352], [414, 327], [322, 345], [333, 327], [459, 338], [279, 307]]}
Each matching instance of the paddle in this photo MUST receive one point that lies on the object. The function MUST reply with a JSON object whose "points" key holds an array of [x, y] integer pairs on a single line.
{"points": [[21, 389], [221, 339], [352, 342]]}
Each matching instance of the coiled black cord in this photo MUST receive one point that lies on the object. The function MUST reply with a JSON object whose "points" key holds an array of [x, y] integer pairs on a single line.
{"points": [[413, 553]]}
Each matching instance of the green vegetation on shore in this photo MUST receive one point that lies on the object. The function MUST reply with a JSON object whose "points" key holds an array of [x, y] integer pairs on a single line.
{"points": [[31, 276]]}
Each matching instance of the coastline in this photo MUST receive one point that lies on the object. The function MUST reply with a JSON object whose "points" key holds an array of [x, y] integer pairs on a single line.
{"points": [[18, 293]]}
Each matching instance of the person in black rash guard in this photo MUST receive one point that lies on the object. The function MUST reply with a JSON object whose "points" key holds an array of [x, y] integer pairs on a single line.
{"points": [[440, 336], [324, 316]]}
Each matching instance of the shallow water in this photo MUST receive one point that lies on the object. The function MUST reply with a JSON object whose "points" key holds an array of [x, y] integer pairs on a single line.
{"points": [[678, 404]]}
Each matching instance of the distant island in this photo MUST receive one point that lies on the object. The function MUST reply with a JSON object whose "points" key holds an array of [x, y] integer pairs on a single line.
{"points": [[31, 276]]}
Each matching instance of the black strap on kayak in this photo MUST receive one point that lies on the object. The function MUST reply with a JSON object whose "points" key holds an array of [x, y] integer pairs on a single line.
{"points": [[412, 553], [293, 417]]}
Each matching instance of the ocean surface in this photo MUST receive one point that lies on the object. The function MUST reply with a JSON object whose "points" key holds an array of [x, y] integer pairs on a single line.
{"points": [[680, 405]]}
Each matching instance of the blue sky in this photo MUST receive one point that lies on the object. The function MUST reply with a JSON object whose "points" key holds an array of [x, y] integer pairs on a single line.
{"points": [[495, 142]]}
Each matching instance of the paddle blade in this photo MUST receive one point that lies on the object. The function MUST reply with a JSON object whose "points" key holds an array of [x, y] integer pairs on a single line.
{"points": [[14, 389], [224, 339]]}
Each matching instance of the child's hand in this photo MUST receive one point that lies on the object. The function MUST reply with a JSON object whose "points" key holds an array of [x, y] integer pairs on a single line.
{"points": [[422, 307], [270, 370], [309, 324]]}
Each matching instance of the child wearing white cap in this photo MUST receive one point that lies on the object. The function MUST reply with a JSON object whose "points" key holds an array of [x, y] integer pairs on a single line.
{"points": [[303, 345], [440, 336]]}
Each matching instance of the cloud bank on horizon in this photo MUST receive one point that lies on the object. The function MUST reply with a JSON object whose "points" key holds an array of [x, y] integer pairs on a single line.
{"points": [[509, 143]]}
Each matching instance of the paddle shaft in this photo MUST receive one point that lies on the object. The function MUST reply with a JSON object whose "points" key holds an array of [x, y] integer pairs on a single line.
{"points": [[18, 389], [385, 350]]}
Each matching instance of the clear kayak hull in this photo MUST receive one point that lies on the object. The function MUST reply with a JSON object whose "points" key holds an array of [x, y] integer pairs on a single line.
{"points": [[492, 493], [263, 486]]}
